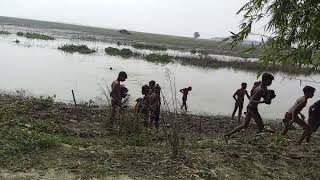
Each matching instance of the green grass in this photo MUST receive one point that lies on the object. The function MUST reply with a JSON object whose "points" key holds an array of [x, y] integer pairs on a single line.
{"points": [[4, 32], [71, 48], [35, 36], [150, 46], [158, 58], [117, 52]]}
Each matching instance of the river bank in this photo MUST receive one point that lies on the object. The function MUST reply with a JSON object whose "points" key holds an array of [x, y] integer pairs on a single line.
{"points": [[42, 138]]}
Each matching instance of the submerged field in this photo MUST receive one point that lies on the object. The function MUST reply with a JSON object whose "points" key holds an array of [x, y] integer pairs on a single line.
{"points": [[44, 139]]}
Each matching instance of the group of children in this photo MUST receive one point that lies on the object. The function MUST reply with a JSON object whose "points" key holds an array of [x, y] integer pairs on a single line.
{"points": [[260, 91], [149, 105]]}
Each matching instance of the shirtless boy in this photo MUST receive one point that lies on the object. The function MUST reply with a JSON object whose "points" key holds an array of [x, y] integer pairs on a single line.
{"points": [[185, 92], [292, 115], [238, 96], [116, 95], [155, 103], [252, 108]]}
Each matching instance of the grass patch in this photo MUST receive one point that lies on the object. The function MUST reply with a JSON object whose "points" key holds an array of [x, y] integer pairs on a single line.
{"points": [[117, 52], [158, 58], [82, 49], [4, 33], [158, 47], [16, 141], [35, 36]]}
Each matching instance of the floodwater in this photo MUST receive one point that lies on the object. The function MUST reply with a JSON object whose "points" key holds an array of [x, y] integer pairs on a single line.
{"points": [[40, 68]]}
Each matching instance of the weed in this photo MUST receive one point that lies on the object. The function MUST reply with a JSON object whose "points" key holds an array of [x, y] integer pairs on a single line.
{"points": [[4, 32], [20, 34], [38, 36], [117, 52]]}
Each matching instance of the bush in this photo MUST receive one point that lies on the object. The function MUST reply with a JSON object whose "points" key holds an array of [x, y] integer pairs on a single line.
{"points": [[158, 58], [82, 49], [38, 36], [20, 34], [124, 31], [117, 52], [149, 46]]}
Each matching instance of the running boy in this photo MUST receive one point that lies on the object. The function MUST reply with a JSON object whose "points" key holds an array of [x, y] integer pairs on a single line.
{"points": [[238, 96], [252, 108], [292, 115], [185, 92]]}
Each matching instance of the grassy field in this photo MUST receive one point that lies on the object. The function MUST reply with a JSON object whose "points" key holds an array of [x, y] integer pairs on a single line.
{"points": [[44, 139], [104, 34]]}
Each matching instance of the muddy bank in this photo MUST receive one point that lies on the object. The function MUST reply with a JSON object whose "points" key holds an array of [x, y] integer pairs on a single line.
{"points": [[84, 148]]}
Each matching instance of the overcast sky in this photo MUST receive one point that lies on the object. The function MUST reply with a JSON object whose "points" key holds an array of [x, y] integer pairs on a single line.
{"points": [[212, 18]]}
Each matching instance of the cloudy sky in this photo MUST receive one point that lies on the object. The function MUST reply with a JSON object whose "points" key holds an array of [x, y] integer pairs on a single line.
{"points": [[212, 18]]}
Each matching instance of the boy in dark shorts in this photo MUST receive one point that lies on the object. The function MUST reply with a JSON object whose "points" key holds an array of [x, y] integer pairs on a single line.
{"points": [[292, 115], [252, 108], [314, 118], [238, 96], [185, 92]]}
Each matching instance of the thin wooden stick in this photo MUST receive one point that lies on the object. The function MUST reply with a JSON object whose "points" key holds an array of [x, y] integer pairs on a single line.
{"points": [[75, 104]]}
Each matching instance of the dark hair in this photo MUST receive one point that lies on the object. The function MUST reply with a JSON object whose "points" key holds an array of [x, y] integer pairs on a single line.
{"points": [[308, 89], [267, 76], [152, 82], [243, 84], [123, 74], [145, 89]]}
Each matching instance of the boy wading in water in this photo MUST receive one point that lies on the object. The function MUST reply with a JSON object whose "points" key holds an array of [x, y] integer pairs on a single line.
{"points": [[185, 92], [238, 96], [116, 96], [314, 118], [255, 100], [292, 115]]}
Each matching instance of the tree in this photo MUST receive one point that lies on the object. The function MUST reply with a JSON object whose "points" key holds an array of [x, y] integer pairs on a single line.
{"points": [[196, 35], [295, 31]]}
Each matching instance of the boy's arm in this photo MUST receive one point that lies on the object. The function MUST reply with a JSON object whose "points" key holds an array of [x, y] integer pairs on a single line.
{"points": [[247, 94], [234, 96], [181, 90], [258, 94]]}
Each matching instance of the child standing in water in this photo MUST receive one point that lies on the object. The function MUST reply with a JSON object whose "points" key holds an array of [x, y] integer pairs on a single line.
{"points": [[238, 96], [292, 115], [185, 92]]}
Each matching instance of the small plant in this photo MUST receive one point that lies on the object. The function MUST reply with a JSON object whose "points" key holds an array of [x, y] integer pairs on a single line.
{"points": [[82, 49], [150, 46], [117, 52], [4, 32], [158, 58], [193, 51]]}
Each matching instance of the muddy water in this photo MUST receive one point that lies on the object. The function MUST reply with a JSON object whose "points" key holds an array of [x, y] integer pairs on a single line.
{"points": [[38, 67]]}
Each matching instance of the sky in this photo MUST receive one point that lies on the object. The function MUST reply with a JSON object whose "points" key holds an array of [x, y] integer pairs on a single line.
{"points": [[211, 18]]}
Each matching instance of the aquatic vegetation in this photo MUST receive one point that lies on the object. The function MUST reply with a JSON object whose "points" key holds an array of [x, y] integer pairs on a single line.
{"points": [[160, 58], [38, 36], [82, 49], [150, 46], [117, 52], [17, 41], [35, 36], [4, 32]]}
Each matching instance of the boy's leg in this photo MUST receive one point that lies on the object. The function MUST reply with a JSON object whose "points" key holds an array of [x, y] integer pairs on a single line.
{"points": [[185, 106], [288, 123], [306, 127], [257, 118], [157, 119], [234, 110], [240, 112], [242, 126]]}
